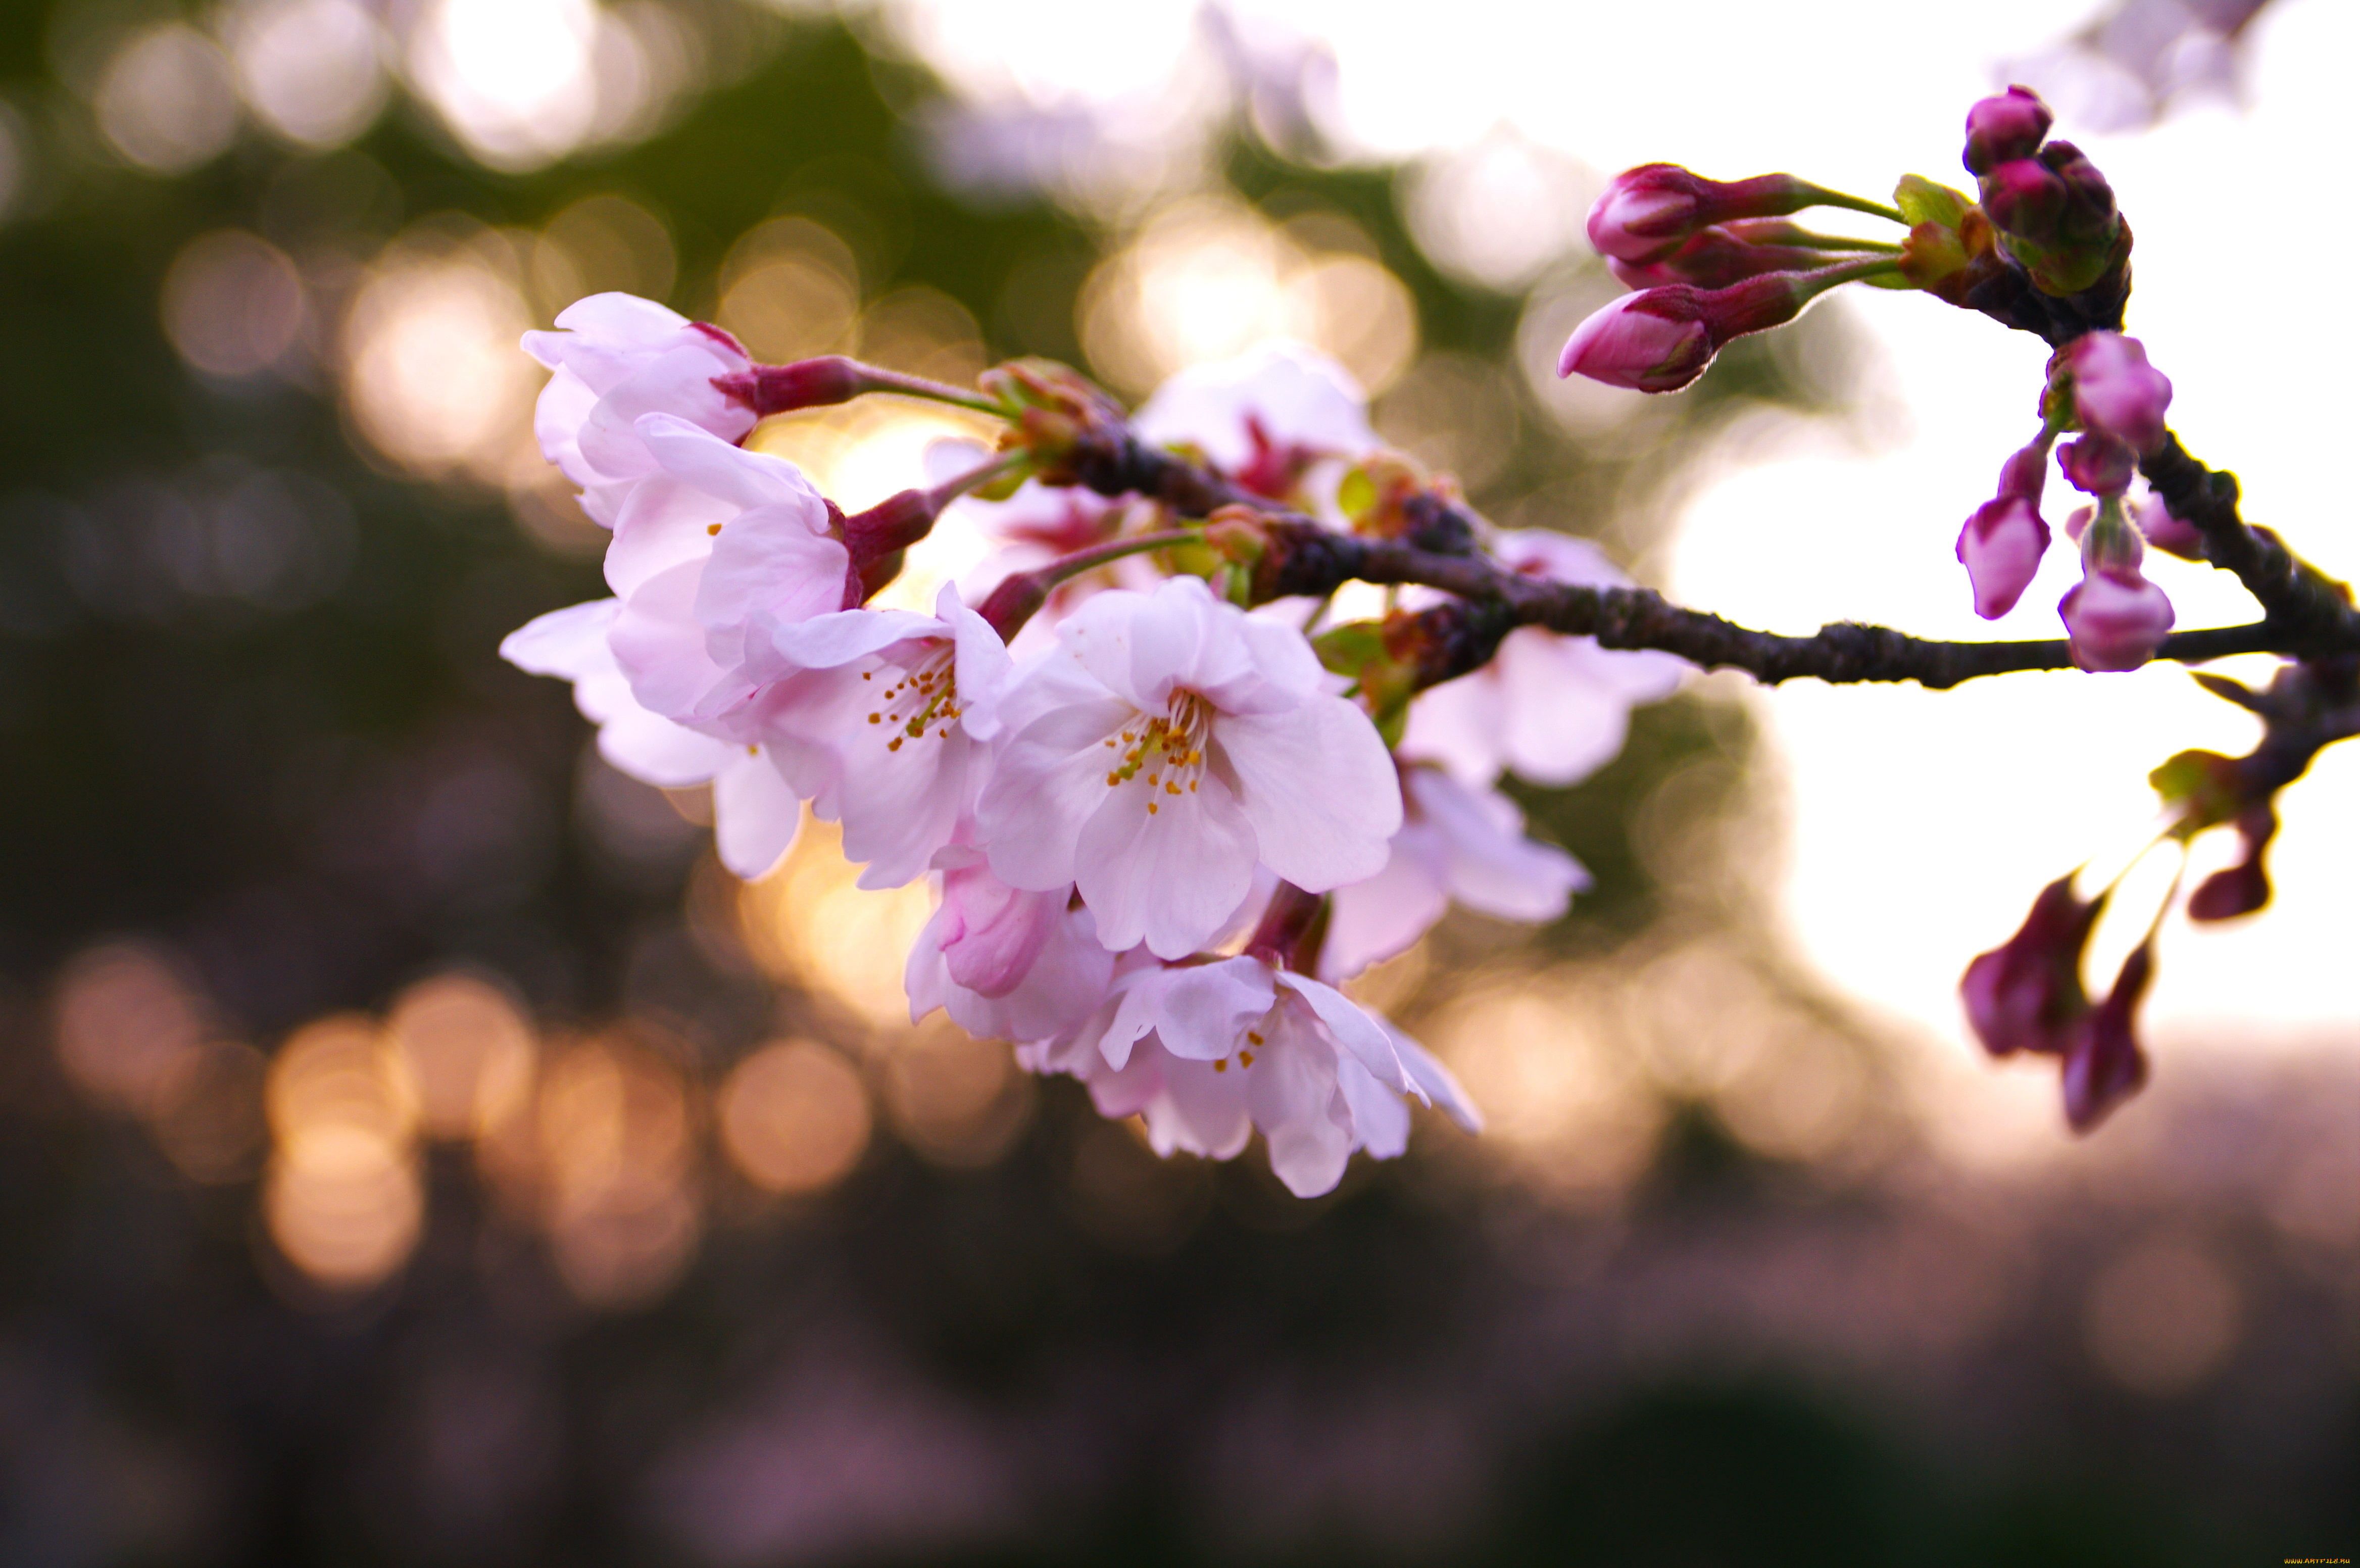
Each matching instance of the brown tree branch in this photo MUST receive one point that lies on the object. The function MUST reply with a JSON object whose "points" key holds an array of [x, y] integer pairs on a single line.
{"points": [[2310, 615]]}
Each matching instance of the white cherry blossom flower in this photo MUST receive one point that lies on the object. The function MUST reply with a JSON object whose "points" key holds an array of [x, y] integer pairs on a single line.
{"points": [[1166, 748], [617, 358], [1551, 708], [713, 554], [1206, 1054], [755, 815], [1456, 845], [871, 723], [1283, 402]]}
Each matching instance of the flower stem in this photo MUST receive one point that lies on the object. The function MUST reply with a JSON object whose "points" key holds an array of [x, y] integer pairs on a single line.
{"points": [[880, 379], [1019, 597]]}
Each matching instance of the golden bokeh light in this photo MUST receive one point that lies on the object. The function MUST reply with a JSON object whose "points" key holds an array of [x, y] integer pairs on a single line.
{"points": [[313, 70], [809, 924], [339, 1073], [126, 1023], [956, 1100], [431, 371], [599, 245], [1565, 1107], [209, 1119], [791, 288], [1205, 279], [342, 1200], [615, 1129], [466, 1048], [344, 1206], [793, 1116]]}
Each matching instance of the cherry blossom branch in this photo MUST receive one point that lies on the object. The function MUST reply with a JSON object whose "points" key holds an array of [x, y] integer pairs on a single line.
{"points": [[2311, 612], [1305, 557]]}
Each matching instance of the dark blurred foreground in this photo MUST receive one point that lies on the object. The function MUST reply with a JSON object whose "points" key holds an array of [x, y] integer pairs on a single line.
{"points": [[674, 1243]]}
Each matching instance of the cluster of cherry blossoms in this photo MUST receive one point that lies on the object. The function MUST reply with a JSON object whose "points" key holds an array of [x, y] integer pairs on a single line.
{"points": [[1160, 828], [2042, 248]]}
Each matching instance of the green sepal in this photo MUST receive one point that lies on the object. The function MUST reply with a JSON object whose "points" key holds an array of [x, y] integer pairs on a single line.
{"points": [[2203, 785], [1007, 485], [1923, 200], [1350, 648], [1357, 495]]}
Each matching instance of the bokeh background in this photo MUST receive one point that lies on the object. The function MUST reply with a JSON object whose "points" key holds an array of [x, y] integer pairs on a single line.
{"points": [[415, 1148]]}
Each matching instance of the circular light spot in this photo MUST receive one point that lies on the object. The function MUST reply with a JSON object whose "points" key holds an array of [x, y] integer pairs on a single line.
{"points": [[793, 1116], [233, 303], [165, 100]]}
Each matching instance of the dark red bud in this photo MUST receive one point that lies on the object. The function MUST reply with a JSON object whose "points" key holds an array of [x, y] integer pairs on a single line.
{"points": [[2098, 465], [891, 526], [2005, 128], [2104, 1064], [2026, 995], [2245, 887], [806, 384], [2023, 196]]}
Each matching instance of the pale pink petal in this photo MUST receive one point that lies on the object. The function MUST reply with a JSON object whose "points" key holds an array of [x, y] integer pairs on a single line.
{"points": [[1434, 1081], [660, 647], [1457, 726], [766, 572], [755, 816], [1290, 1091], [570, 642], [1351, 1027], [664, 523], [1319, 789], [839, 637], [747, 479], [1489, 866], [1380, 1117], [675, 387], [1168, 877], [1199, 1110], [1051, 777], [1371, 921], [1201, 1012]]}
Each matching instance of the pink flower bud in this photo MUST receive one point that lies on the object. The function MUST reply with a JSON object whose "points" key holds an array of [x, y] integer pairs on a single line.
{"points": [[2115, 392], [2165, 531], [2114, 616], [2021, 196], [2077, 522], [2103, 1065], [1630, 344], [1647, 213], [2098, 465], [2245, 887], [1661, 340], [2089, 214], [2026, 995], [2007, 127], [1715, 258], [991, 933], [2001, 547]]}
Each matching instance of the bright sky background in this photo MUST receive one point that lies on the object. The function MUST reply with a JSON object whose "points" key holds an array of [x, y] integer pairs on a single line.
{"points": [[1922, 824]]}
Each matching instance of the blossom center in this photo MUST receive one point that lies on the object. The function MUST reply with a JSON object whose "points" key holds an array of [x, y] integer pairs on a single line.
{"points": [[1166, 753], [924, 698]]}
